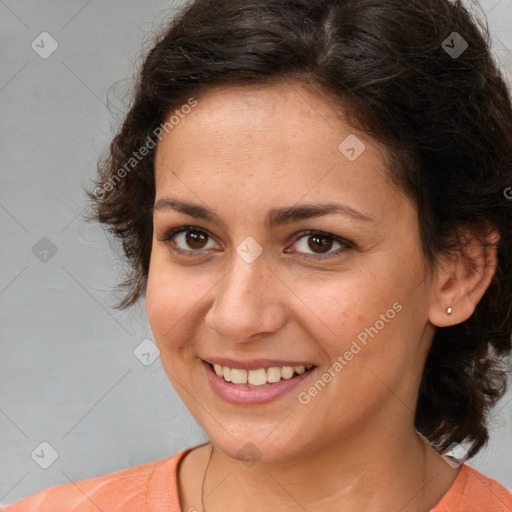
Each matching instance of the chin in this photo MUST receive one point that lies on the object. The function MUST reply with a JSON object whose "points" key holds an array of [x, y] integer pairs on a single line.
{"points": [[250, 447]]}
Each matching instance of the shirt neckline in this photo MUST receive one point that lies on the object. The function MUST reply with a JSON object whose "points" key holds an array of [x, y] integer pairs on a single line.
{"points": [[163, 493]]}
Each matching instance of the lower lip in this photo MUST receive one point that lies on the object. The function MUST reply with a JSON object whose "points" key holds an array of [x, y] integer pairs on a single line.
{"points": [[241, 394]]}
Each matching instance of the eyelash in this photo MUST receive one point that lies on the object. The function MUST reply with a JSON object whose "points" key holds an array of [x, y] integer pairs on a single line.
{"points": [[168, 235]]}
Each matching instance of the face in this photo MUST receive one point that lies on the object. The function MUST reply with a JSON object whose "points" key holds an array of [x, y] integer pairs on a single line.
{"points": [[256, 273]]}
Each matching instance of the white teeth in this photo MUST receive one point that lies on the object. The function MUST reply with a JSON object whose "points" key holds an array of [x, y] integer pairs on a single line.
{"points": [[274, 374], [238, 376], [259, 377], [287, 372]]}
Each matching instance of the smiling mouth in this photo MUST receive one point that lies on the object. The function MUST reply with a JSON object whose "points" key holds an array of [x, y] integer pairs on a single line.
{"points": [[261, 376]]}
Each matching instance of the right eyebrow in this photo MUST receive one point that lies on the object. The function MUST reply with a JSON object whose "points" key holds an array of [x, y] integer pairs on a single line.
{"points": [[275, 217]]}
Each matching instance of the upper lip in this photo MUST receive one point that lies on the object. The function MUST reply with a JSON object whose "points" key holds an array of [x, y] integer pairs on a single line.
{"points": [[254, 364]]}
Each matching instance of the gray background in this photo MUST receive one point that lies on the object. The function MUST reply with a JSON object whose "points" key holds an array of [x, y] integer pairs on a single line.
{"points": [[68, 373]]}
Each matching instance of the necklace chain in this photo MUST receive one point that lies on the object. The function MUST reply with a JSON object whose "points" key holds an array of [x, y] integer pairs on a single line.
{"points": [[204, 478]]}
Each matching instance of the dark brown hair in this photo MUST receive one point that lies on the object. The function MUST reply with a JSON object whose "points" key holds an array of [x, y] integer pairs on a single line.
{"points": [[445, 119]]}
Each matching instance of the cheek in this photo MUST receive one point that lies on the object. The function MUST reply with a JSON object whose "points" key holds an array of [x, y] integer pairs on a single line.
{"points": [[168, 299], [348, 304], [174, 298], [361, 316]]}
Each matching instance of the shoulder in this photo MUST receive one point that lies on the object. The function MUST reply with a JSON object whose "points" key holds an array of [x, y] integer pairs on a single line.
{"points": [[136, 488], [474, 492]]}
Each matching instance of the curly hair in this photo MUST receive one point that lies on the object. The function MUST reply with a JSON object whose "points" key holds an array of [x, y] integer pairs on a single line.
{"points": [[417, 76]]}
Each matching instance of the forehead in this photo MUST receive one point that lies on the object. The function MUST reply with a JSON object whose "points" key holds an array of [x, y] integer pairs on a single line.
{"points": [[288, 119], [281, 142], [265, 103]]}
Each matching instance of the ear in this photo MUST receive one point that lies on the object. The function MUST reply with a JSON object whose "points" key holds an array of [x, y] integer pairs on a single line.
{"points": [[463, 279]]}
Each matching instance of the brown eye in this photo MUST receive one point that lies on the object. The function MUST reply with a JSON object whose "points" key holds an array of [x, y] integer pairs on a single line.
{"points": [[187, 239], [319, 245], [323, 243], [196, 239]]}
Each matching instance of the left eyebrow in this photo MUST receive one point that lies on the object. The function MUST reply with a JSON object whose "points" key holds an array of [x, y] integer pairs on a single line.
{"points": [[278, 216], [275, 217]]}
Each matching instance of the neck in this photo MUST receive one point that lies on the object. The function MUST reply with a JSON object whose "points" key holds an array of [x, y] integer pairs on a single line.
{"points": [[395, 471]]}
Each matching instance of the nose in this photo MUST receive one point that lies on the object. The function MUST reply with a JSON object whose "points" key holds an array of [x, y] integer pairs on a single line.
{"points": [[248, 302]]}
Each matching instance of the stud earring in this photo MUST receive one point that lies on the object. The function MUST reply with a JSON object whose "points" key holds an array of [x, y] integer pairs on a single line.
{"points": [[449, 311]]}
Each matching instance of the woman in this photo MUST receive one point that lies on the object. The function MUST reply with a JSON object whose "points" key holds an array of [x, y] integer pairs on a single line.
{"points": [[312, 197]]}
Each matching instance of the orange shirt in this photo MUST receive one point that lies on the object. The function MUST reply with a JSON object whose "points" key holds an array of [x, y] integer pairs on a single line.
{"points": [[152, 487]]}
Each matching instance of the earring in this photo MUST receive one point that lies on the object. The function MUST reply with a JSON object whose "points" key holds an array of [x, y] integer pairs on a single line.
{"points": [[449, 311]]}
